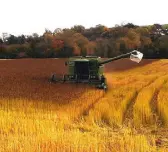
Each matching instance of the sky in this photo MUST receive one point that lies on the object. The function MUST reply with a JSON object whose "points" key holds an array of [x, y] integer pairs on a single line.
{"points": [[33, 16]]}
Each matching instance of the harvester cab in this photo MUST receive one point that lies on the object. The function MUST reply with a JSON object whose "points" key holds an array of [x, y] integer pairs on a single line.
{"points": [[89, 69]]}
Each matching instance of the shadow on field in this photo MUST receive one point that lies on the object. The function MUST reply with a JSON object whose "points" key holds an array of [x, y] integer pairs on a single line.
{"points": [[40, 89], [29, 79]]}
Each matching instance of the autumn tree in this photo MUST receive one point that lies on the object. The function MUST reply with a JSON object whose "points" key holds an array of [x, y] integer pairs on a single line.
{"points": [[106, 47], [1, 41], [133, 39], [12, 40], [81, 41], [57, 31], [118, 32], [68, 45], [90, 48], [99, 40], [130, 25], [78, 28], [143, 31], [163, 46]]}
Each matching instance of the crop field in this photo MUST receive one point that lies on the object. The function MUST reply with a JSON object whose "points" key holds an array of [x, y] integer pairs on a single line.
{"points": [[39, 116]]}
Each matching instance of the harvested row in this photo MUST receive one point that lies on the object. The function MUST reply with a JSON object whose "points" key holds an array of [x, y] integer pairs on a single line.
{"points": [[142, 108], [117, 101], [163, 104], [128, 115], [124, 89]]}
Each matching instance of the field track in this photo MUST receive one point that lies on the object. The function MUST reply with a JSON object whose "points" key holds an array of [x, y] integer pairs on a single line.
{"points": [[128, 116], [136, 99]]}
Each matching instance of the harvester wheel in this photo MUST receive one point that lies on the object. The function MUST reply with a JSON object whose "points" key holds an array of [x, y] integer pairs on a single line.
{"points": [[64, 78], [105, 87], [76, 79], [53, 78], [103, 84]]}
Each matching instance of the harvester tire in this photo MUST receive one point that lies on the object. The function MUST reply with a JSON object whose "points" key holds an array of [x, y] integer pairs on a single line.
{"points": [[53, 78], [105, 87], [64, 78]]}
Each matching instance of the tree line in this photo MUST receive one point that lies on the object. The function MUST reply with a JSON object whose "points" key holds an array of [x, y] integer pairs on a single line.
{"points": [[100, 40]]}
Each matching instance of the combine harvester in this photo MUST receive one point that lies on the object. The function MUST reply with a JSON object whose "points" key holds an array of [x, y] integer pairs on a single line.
{"points": [[89, 69]]}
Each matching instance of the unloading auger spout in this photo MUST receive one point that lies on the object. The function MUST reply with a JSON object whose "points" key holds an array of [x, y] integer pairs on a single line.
{"points": [[135, 56]]}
